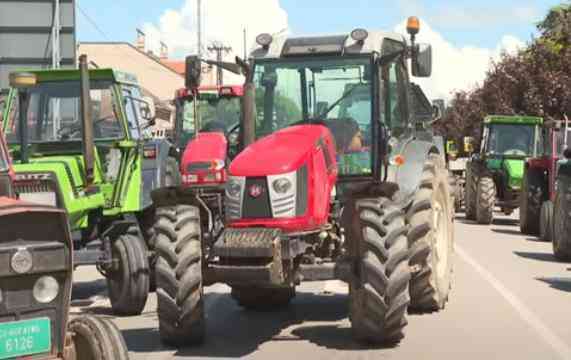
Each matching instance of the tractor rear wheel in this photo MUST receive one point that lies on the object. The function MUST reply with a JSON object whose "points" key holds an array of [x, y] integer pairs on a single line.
{"points": [[128, 281], [179, 275], [431, 240], [379, 295], [530, 206], [471, 190], [259, 298], [97, 338], [562, 222], [546, 221], [486, 200]]}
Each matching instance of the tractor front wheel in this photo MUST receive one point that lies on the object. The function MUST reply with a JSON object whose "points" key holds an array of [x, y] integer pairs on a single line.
{"points": [[259, 298], [530, 206], [562, 222], [471, 190], [546, 221], [179, 275], [379, 294], [486, 199], [431, 240], [128, 279], [96, 338]]}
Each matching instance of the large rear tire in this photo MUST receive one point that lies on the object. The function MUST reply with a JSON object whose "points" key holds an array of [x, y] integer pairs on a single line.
{"points": [[379, 294], [179, 275], [546, 221], [431, 240], [259, 298], [96, 338], [486, 200], [128, 281], [531, 198], [471, 191], [562, 222]]}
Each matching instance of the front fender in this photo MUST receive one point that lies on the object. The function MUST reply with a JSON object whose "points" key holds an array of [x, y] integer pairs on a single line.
{"points": [[408, 175]]}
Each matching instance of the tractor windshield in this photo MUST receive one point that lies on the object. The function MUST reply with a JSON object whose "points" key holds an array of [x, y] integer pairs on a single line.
{"points": [[336, 92], [53, 113], [511, 139], [215, 113]]}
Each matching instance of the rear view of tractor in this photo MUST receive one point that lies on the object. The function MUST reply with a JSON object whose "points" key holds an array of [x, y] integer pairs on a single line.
{"points": [[495, 174], [539, 181], [35, 285], [76, 137], [457, 168], [334, 179]]}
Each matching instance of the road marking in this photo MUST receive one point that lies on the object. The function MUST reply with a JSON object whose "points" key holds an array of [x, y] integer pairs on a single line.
{"points": [[524, 312], [335, 287]]}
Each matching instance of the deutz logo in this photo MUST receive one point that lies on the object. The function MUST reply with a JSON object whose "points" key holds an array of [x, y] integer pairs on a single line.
{"points": [[23, 177]]}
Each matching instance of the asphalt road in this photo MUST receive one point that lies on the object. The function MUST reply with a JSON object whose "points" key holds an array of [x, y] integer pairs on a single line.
{"points": [[510, 300]]}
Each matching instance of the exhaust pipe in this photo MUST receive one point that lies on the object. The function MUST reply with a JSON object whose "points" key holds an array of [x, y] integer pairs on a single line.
{"points": [[86, 121]]}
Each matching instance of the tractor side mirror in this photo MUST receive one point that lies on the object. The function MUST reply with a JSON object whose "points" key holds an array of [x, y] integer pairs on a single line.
{"points": [[422, 60], [567, 153], [193, 72]]}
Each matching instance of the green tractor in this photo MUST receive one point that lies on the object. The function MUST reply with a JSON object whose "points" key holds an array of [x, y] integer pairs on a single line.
{"points": [[77, 140], [494, 175]]}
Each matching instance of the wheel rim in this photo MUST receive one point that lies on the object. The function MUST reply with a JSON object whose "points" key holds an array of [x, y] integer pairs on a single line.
{"points": [[440, 227]]}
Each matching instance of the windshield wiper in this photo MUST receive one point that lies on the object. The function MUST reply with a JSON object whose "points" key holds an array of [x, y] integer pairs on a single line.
{"points": [[337, 102]]}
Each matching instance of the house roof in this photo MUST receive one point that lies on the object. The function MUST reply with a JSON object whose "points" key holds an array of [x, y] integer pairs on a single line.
{"points": [[157, 78], [177, 66]]}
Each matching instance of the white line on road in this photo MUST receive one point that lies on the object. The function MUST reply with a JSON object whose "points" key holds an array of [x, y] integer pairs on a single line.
{"points": [[524, 312]]}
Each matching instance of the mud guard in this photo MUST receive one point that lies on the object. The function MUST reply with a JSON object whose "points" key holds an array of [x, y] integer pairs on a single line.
{"points": [[408, 175]]}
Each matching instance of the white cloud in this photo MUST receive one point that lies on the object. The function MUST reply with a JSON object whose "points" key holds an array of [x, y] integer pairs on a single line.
{"points": [[222, 20], [456, 68]]}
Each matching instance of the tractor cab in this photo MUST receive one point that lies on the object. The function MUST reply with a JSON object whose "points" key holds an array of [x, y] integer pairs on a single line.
{"points": [[217, 110]]}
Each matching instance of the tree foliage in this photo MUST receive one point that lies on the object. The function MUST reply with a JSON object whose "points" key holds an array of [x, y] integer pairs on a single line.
{"points": [[535, 81]]}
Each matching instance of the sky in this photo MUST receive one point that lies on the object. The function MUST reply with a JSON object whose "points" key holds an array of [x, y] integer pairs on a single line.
{"points": [[464, 34]]}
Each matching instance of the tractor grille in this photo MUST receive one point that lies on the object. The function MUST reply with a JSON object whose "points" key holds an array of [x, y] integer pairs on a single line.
{"points": [[258, 200], [33, 186]]}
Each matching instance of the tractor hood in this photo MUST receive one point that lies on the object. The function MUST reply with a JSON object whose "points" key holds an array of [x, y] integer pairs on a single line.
{"points": [[278, 153], [513, 169], [205, 147]]}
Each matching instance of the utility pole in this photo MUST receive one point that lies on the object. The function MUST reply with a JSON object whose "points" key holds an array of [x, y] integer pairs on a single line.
{"points": [[56, 56], [199, 25], [218, 48]]}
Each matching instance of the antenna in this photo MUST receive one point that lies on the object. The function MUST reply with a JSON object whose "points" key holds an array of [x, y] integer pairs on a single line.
{"points": [[566, 128], [199, 25]]}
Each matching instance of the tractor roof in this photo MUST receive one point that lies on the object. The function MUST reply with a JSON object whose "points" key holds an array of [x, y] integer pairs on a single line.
{"points": [[341, 44], [513, 119], [73, 75]]}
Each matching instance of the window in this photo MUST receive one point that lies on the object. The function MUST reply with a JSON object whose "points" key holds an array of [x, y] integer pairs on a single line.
{"points": [[335, 92], [511, 139], [53, 113], [133, 103], [395, 97]]}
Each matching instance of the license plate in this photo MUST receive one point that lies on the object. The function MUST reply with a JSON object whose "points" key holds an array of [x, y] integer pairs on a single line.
{"points": [[42, 198], [25, 337]]}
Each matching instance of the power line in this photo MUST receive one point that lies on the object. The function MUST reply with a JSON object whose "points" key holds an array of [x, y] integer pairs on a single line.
{"points": [[92, 22]]}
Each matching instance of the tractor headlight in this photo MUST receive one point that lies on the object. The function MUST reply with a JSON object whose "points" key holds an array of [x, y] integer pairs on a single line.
{"points": [[46, 289], [282, 185], [234, 188]]}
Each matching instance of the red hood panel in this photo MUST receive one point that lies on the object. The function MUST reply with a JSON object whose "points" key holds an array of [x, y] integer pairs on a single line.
{"points": [[205, 148], [278, 153]]}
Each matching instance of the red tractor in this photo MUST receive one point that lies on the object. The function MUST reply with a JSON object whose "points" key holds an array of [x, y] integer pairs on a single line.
{"points": [[215, 110], [35, 285], [540, 175], [334, 178]]}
